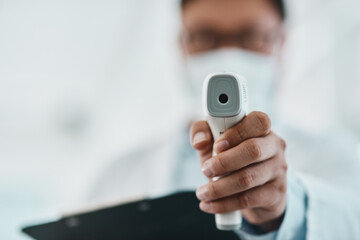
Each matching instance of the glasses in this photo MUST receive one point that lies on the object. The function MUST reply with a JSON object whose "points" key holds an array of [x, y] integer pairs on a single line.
{"points": [[249, 39]]}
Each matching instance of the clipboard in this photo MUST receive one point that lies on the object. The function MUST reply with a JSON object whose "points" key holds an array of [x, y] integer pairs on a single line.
{"points": [[175, 217]]}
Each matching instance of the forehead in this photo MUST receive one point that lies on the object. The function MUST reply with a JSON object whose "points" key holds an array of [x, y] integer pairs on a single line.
{"points": [[227, 15]]}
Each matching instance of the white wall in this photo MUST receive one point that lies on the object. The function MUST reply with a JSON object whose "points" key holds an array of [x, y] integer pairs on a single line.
{"points": [[322, 81], [76, 80]]}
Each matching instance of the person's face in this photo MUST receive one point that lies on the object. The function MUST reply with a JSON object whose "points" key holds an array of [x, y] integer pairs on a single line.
{"points": [[253, 25]]}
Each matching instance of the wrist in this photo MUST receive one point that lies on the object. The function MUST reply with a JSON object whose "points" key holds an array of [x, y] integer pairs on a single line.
{"points": [[272, 225]]}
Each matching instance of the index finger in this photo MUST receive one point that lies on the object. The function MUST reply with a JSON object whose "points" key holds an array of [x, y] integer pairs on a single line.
{"points": [[256, 124]]}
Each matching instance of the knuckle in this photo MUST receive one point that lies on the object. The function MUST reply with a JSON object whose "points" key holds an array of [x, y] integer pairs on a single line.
{"points": [[282, 187], [244, 201], [285, 166], [264, 122], [220, 164], [246, 180], [213, 192], [239, 132], [218, 207], [254, 149], [282, 144]]}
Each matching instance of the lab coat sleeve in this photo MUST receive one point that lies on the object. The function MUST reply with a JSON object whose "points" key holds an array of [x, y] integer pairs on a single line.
{"points": [[331, 212], [294, 224], [315, 210]]}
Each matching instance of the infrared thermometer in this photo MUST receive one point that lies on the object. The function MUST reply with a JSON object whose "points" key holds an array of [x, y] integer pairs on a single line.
{"points": [[225, 103]]}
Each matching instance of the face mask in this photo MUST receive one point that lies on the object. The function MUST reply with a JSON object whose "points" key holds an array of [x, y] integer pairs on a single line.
{"points": [[258, 70]]}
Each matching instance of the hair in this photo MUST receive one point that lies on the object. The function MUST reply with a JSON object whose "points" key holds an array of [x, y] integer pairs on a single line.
{"points": [[278, 4]]}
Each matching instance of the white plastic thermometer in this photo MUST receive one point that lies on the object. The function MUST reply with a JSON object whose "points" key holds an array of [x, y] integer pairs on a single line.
{"points": [[225, 103]]}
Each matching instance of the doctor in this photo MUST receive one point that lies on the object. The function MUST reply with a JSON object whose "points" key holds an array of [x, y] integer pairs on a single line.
{"points": [[315, 199], [246, 37]]}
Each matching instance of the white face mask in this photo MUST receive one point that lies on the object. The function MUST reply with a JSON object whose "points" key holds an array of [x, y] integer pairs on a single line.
{"points": [[259, 70]]}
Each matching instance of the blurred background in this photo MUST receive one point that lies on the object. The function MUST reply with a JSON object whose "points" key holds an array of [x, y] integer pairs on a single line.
{"points": [[71, 73]]}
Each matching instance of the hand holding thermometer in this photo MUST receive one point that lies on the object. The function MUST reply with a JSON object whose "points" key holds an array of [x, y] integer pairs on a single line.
{"points": [[225, 104]]}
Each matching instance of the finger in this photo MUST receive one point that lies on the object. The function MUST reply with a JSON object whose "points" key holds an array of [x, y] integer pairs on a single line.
{"points": [[256, 124], [266, 196], [200, 134], [201, 139], [240, 181], [249, 152]]}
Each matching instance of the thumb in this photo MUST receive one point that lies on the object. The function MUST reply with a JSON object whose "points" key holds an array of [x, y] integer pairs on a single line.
{"points": [[201, 139]]}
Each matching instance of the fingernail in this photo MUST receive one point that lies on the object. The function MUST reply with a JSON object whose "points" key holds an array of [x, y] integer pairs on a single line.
{"points": [[200, 193], [222, 146], [206, 169], [200, 137], [205, 206]]}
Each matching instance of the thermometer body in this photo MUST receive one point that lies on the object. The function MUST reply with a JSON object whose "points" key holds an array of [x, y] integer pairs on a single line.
{"points": [[225, 103]]}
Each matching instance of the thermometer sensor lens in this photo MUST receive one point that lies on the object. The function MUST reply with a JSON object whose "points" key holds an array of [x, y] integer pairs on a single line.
{"points": [[223, 98]]}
